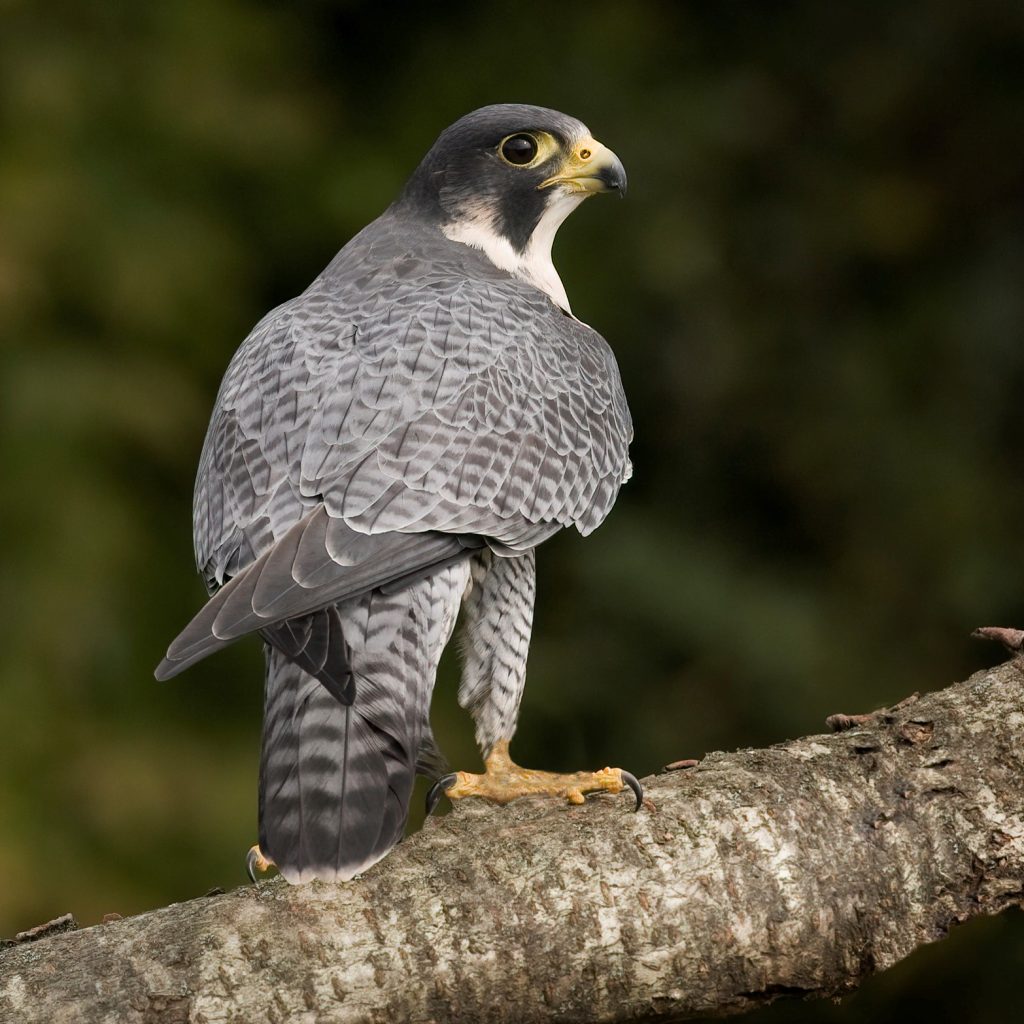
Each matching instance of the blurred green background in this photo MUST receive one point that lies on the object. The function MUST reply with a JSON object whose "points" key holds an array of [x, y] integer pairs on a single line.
{"points": [[816, 294]]}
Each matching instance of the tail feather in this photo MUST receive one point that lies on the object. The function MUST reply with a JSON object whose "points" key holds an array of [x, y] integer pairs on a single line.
{"points": [[334, 788], [339, 761]]}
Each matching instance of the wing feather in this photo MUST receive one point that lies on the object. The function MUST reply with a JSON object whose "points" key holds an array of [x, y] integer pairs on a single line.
{"points": [[268, 592]]}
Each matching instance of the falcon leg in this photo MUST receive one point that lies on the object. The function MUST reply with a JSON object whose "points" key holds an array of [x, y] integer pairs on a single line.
{"points": [[498, 620], [499, 617]]}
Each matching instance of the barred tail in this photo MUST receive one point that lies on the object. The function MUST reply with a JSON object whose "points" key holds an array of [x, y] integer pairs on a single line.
{"points": [[340, 751], [334, 785]]}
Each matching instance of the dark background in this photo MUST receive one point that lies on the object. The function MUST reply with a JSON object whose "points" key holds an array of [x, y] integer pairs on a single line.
{"points": [[815, 294]]}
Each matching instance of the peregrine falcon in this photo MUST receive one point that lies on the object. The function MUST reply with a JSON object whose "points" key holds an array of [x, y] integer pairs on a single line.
{"points": [[389, 448]]}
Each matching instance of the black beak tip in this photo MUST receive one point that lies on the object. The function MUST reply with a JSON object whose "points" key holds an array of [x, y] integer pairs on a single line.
{"points": [[614, 178]]}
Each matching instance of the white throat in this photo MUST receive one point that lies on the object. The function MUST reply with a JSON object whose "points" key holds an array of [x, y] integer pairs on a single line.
{"points": [[533, 264]]}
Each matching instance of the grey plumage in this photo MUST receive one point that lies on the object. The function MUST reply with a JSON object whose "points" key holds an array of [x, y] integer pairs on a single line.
{"points": [[415, 409], [335, 779]]}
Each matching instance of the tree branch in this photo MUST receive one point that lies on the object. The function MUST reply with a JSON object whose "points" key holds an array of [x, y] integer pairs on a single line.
{"points": [[800, 869]]}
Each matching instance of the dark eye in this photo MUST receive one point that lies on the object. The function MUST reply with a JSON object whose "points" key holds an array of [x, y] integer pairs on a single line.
{"points": [[519, 149]]}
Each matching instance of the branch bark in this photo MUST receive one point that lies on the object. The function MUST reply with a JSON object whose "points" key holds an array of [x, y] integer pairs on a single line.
{"points": [[800, 869]]}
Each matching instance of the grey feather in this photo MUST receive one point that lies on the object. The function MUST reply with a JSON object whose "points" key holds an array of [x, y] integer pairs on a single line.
{"points": [[316, 644], [336, 778], [424, 387], [344, 569], [498, 619]]}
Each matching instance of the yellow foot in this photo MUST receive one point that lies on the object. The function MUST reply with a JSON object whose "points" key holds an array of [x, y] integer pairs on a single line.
{"points": [[255, 861], [503, 780]]}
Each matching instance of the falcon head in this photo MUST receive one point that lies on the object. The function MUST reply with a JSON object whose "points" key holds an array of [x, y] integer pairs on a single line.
{"points": [[504, 178]]}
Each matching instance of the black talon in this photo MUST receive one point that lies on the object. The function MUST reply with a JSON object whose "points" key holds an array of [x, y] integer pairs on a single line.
{"points": [[634, 784], [250, 864], [438, 789]]}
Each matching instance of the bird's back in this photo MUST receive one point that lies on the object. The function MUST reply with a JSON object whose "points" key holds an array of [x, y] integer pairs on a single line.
{"points": [[413, 386]]}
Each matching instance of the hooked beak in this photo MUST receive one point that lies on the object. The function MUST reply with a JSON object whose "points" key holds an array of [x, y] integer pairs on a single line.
{"points": [[589, 169]]}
